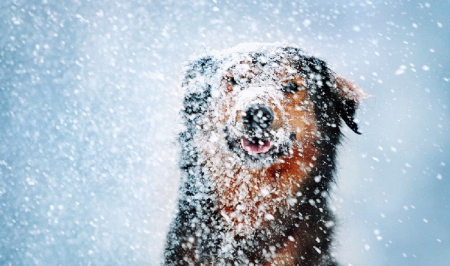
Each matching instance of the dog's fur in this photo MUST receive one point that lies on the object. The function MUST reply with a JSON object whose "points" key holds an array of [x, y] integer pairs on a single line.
{"points": [[255, 193]]}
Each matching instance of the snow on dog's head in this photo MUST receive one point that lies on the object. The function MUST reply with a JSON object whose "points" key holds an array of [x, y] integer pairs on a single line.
{"points": [[260, 119], [264, 116]]}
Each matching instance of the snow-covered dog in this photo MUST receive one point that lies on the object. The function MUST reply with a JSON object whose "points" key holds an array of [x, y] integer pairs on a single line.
{"points": [[258, 155]]}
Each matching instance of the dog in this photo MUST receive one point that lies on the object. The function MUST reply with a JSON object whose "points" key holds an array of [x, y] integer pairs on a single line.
{"points": [[262, 126]]}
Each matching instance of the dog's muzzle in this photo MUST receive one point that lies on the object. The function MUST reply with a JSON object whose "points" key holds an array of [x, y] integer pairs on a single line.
{"points": [[257, 119]]}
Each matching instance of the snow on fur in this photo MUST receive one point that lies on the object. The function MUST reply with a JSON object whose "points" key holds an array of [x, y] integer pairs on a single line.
{"points": [[262, 125]]}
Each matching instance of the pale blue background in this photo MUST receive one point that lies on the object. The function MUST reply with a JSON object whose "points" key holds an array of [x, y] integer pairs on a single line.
{"points": [[89, 101]]}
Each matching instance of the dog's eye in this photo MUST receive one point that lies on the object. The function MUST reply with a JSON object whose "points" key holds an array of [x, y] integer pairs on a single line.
{"points": [[291, 87], [232, 81]]}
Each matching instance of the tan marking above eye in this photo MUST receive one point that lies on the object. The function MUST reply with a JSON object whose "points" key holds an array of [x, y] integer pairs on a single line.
{"points": [[299, 81], [297, 98]]}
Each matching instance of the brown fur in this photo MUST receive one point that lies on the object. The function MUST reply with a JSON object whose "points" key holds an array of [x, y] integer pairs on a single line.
{"points": [[287, 174]]}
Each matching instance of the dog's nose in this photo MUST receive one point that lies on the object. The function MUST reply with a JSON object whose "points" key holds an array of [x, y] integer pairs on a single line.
{"points": [[258, 116]]}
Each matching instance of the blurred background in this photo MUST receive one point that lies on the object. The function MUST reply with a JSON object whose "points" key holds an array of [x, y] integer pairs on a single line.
{"points": [[89, 101]]}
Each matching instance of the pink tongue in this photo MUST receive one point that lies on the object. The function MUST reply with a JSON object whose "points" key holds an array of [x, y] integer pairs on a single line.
{"points": [[255, 148]]}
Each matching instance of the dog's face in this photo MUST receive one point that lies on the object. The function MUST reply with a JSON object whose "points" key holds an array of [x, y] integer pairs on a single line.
{"points": [[265, 111], [261, 120]]}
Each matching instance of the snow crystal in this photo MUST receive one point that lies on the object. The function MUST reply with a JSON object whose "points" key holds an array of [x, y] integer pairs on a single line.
{"points": [[269, 217], [329, 224], [317, 250], [306, 22], [356, 28], [400, 70]]}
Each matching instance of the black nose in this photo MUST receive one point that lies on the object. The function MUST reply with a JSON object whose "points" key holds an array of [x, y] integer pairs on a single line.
{"points": [[258, 116]]}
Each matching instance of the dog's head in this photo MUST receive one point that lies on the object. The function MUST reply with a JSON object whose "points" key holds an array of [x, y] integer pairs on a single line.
{"points": [[262, 99], [263, 123]]}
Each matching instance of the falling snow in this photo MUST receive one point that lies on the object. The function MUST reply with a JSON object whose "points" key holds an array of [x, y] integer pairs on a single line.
{"points": [[89, 105]]}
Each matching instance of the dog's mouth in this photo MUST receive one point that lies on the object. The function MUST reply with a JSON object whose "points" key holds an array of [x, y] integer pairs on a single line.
{"points": [[255, 146], [263, 149]]}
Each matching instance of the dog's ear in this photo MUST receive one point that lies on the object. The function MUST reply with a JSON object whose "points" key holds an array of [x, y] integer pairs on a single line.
{"points": [[198, 68], [197, 86], [348, 97]]}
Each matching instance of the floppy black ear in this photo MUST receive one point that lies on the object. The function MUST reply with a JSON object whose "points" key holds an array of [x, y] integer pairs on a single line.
{"points": [[197, 93], [348, 97], [198, 67], [196, 84]]}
